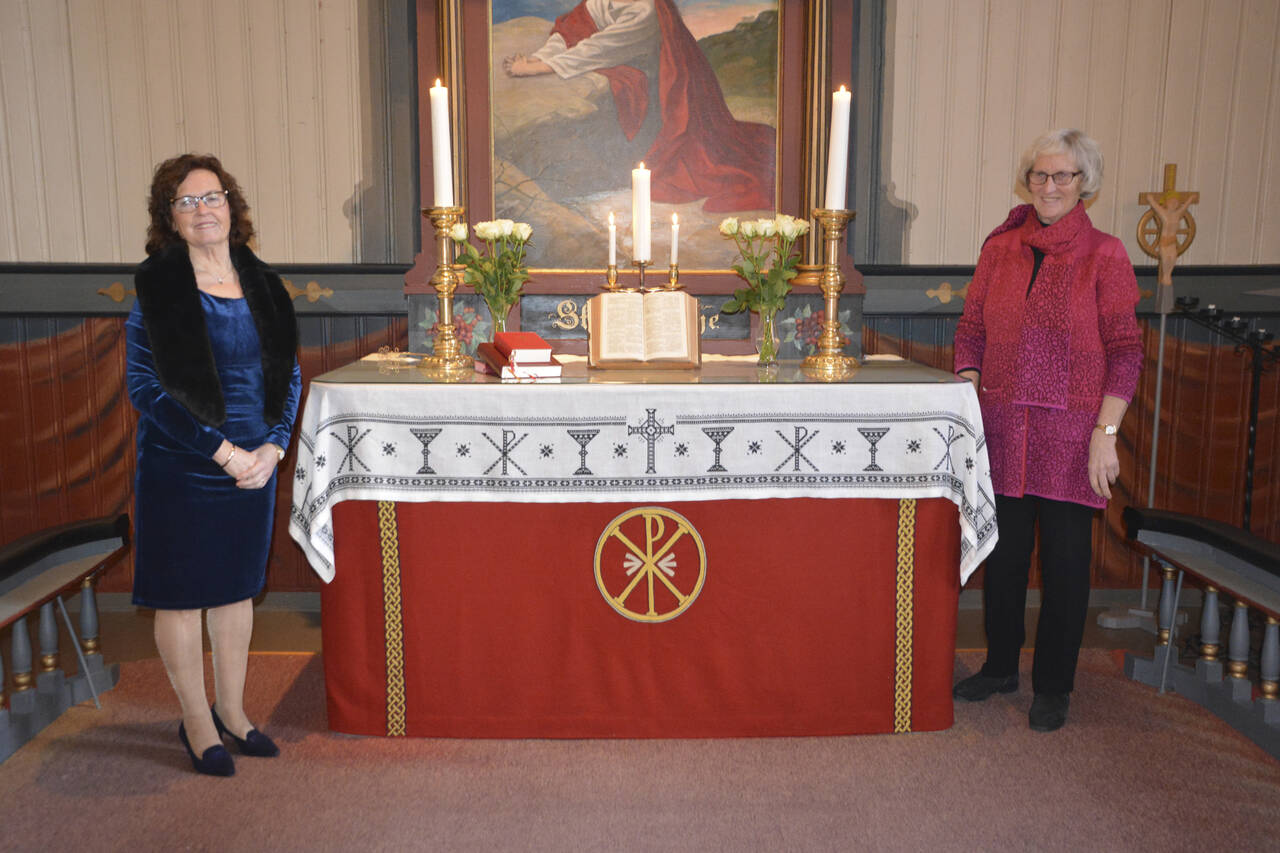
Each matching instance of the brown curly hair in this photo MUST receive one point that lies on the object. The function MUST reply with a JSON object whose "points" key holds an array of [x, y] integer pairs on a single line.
{"points": [[168, 176]]}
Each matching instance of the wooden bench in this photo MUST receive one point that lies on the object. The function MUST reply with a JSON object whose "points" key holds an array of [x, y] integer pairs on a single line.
{"points": [[35, 572], [1226, 560]]}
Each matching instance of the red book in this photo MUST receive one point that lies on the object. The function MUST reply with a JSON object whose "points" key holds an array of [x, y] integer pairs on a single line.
{"points": [[523, 347], [490, 360]]}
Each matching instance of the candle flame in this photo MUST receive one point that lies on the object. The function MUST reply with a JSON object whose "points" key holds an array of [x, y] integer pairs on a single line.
{"points": [[675, 220], [440, 85], [641, 166], [842, 89], [611, 219]]}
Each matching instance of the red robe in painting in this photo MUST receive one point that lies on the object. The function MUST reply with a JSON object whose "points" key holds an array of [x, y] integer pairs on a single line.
{"points": [[702, 151]]}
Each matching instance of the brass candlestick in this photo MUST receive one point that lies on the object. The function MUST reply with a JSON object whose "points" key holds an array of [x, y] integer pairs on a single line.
{"points": [[640, 265], [447, 354], [673, 279], [829, 362], [611, 278]]}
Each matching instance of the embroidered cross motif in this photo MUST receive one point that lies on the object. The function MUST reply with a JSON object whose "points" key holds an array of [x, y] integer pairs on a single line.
{"points": [[426, 436], [651, 431], [349, 458], [504, 452], [949, 439], [718, 435], [803, 437]]}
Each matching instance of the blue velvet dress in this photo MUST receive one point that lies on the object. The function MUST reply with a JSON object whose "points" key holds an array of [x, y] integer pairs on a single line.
{"points": [[199, 541]]}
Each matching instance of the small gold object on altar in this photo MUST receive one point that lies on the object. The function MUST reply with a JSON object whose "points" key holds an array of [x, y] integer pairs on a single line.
{"points": [[1166, 230], [830, 362], [611, 278], [807, 275], [673, 280], [447, 358]]}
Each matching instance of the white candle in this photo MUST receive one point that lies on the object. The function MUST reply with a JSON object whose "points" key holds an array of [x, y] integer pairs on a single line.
{"points": [[675, 238], [441, 148], [838, 150], [640, 213], [613, 241]]}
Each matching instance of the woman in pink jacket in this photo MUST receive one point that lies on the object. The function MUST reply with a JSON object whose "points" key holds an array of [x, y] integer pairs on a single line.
{"points": [[1050, 339]]}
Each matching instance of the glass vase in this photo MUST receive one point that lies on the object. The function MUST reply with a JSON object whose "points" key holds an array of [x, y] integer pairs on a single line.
{"points": [[767, 340], [498, 314]]}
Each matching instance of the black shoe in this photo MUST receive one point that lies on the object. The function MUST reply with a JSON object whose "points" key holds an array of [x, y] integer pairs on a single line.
{"points": [[255, 743], [978, 687], [216, 761], [1049, 711]]}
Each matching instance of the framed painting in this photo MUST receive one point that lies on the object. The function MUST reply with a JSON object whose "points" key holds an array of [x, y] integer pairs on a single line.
{"points": [[555, 102]]}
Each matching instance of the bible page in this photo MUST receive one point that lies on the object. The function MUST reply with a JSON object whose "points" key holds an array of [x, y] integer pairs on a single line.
{"points": [[666, 334], [621, 326]]}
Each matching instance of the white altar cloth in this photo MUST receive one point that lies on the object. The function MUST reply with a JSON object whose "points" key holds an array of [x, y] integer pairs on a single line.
{"points": [[893, 430]]}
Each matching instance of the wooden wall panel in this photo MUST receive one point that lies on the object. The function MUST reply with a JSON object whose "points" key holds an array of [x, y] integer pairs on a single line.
{"points": [[1194, 82], [68, 452], [93, 123], [94, 93], [1203, 433]]}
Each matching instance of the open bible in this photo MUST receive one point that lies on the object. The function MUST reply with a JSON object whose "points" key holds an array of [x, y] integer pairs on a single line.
{"points": [[658, 329]]}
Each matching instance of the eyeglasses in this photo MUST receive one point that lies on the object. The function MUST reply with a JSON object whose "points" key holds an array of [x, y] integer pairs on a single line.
{"points": [[189, 203], [1037, 179]]}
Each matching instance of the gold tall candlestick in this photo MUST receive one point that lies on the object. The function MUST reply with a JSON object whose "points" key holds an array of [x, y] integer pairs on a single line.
{"points": [[447, 354], [830, 362]]}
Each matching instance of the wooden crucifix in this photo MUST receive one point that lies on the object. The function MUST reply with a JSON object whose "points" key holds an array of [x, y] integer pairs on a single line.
{"points": [[1166, 231]]}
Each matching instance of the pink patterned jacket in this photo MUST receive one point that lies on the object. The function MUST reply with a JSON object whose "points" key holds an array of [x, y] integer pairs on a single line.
{"points": [[1047, 357]]}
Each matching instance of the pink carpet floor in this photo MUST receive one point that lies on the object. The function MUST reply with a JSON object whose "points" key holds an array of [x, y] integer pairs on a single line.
{"points": [[1131, 771]]}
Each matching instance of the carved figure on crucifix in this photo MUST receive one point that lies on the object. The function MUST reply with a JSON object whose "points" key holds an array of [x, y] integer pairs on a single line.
{"points": [[1166, 231]]}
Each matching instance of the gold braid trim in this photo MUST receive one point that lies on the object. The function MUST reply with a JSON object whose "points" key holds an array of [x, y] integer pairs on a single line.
{"points": [[393, 617], [905, 620]]}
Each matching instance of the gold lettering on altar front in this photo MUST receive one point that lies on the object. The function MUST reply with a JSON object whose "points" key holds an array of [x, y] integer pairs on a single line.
{"points": [[571, 314]]}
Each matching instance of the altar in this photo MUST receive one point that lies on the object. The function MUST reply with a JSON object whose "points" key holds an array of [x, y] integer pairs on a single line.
{"points": [[719, 552]]}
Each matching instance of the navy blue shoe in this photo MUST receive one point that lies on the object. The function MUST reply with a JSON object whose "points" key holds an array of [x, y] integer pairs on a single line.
{"points": [[216, 761], [255, 743]]}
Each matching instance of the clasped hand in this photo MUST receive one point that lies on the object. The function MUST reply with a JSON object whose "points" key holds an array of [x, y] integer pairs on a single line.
{"points": [[252, 468], [520, 65]]}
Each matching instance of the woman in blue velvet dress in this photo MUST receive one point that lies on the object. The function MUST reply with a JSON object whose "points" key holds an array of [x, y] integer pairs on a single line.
{"points": [[213, 373]]}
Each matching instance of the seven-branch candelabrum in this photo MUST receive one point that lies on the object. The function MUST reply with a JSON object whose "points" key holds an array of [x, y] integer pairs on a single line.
{"points": [[830, 362], [447, 352]]}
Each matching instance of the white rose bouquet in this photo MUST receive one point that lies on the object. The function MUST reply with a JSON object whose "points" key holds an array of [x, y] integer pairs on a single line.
{"points": [[769, 257], [498, 273]]}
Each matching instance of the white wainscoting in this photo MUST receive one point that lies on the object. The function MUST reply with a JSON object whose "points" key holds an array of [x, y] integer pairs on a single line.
{"points": [[95, 93], [969, 83]]}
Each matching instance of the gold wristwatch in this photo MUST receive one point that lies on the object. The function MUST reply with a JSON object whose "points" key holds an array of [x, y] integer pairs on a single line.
{"points": [[1107, 429]]}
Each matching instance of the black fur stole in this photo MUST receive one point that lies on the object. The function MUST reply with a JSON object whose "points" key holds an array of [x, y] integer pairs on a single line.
{"points": [[166, 287]]}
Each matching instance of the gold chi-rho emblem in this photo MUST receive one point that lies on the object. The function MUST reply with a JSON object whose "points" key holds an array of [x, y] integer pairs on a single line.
{"points": [[650, 564]]}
